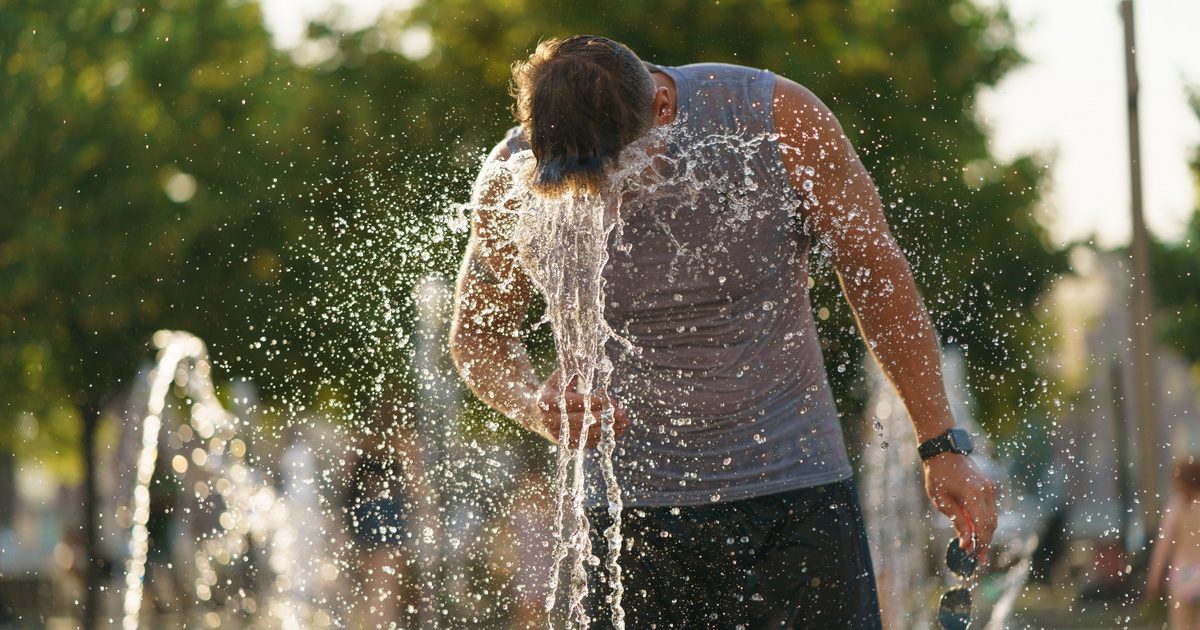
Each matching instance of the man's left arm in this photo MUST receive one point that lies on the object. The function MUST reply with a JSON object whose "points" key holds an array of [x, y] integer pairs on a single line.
{"points": [[845, 213]]}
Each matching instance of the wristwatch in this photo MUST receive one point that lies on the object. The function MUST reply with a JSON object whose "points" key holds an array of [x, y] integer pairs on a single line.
{"points": [[955, 440]]}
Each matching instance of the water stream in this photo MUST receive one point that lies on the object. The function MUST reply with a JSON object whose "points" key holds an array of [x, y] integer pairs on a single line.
{"points": [[249, 506], [563, 244]]}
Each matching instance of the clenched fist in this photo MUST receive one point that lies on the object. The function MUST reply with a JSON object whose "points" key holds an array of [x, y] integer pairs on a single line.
{"points": [[960, 491], [545, 414]]}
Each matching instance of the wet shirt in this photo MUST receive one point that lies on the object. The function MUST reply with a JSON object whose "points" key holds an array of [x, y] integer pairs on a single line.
{"points": [[707, 280]]}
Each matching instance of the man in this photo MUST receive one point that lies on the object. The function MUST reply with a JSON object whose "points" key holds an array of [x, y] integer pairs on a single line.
{"points": [[741, 509]]}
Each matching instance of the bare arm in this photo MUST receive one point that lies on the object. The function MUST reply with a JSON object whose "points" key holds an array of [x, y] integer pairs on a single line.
{"points": [[846, 214], [491, 298]]}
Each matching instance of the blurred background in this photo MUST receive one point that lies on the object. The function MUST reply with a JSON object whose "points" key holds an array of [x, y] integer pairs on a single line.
{"points": [[282, 180]]}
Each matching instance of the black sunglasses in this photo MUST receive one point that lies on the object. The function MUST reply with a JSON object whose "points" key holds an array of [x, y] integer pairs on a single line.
{"points": [[954, 609]]}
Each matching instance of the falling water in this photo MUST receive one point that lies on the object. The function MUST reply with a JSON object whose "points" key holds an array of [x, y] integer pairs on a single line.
{"points": [[251, 507], [1014, 583], [563, 244], [892, 486]]}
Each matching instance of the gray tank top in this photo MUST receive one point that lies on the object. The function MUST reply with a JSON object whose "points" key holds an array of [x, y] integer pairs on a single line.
{"points": [[726, 388]]}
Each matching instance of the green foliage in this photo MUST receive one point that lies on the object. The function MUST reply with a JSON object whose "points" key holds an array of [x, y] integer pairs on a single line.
{"points": [[110, 110], [1177, 289], [1176, 265]]}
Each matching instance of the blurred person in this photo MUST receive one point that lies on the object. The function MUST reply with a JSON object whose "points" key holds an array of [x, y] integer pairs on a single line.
{"points": [[379, 510], [741, 507], [1175, 561]]}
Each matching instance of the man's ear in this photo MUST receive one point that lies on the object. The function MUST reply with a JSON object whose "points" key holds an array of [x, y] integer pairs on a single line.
{"points": [[662, 106]]}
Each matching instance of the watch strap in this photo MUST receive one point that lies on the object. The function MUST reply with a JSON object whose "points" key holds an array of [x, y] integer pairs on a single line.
{"points": [[948, 442]]}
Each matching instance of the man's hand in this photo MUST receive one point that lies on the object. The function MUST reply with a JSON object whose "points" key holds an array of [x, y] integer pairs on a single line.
{"points": [[967, 496], [545, 414]]}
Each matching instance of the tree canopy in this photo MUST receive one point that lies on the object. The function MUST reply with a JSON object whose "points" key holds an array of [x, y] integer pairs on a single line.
{"points": [[131, 137], [1176, 267]]}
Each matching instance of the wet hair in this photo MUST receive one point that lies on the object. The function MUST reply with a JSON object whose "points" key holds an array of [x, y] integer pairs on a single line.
{"points": [[1187, 478], [580, 100]]}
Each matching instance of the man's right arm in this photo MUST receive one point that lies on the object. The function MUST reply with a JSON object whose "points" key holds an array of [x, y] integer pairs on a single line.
{"points": [[491, 299]]}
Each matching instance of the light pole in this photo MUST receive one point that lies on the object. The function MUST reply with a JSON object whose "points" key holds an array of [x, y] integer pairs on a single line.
{"points": [[1141, 300]]}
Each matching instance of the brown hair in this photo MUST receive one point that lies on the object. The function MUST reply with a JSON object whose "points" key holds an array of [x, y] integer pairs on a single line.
{"points": [[1187, 478], [580, 100]]}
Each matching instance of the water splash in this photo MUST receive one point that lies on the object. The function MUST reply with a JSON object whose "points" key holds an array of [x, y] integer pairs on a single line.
{"points": [[563, 245], [250, 505]]}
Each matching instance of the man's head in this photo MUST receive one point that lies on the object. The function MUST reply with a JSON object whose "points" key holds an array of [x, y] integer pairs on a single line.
{"points": [[580, 101]]}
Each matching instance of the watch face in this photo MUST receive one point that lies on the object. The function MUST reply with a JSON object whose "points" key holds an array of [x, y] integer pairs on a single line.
{"points": [[960, 440]]}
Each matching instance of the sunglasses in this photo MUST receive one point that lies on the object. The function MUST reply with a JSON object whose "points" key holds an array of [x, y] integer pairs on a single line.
{"points": [[954, 609]]}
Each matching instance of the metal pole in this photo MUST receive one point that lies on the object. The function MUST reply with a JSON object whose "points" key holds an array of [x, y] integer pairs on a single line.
{"points": [[1142, 348]]}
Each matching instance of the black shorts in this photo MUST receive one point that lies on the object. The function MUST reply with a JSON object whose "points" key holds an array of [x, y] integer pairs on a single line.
{"points": [[377, 523], [797, 559]]}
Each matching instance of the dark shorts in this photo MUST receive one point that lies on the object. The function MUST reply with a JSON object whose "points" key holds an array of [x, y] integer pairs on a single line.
{"points": [[377, 523], [797, 559]]}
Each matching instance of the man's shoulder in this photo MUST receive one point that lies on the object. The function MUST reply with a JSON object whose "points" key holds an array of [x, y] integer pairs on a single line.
{"points": [[783, 87], [514, 142], [718, 72], [721, 82], [792, 100]]}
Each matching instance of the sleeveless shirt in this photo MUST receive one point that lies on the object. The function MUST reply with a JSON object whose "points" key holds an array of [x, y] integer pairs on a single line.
{"points": [[725, 384]]}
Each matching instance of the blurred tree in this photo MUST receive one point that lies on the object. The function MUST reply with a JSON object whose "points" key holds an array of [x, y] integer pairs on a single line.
{"points": [[129, 134], [163, 166], [1177, 276]]}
